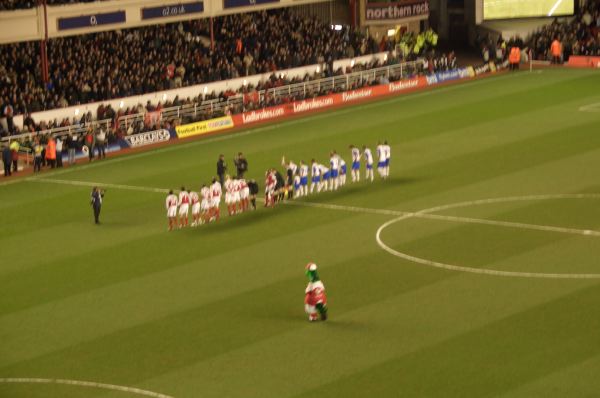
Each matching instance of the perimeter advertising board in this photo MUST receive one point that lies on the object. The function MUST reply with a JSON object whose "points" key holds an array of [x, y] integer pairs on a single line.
{"points": [[204, 127]]}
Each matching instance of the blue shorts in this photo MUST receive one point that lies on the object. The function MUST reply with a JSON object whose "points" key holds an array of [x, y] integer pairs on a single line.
{"points": [[381, 164], [387, 162], [334, 173], [343, 170], [355, 165], [326, 176], [369, 166], [303, 181], [296, 187], [316, 179]]}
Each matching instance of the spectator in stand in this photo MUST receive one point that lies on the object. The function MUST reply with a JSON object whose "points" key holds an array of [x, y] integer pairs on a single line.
{"points": [[8, 113], [71, 148], [90, 144], [14, 148], [59, 152], [37, 155], [113, 64], [578, 36], [556, 50], [7, 160], [101, 143], [51, 152]]}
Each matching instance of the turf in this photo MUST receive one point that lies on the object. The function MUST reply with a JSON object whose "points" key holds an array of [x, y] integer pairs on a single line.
{"points": [[217, 311]]}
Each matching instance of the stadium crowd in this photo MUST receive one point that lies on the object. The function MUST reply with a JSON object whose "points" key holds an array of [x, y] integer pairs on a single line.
{"points": [[7, 5], [248, 99], [121, 63], [579, 36]]}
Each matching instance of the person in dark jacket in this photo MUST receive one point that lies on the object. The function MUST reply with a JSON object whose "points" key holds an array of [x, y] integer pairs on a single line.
{"points": [[96, 202], [221, 168], [71, 148], [241, 165], [7, 160]]}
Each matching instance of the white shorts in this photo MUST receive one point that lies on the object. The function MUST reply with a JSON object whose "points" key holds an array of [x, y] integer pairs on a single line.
{"points": [[236, 197], [204, 205], [184, 209], [228, 198], [172, 212], [245, 193], [215, 202], [196, 208]]}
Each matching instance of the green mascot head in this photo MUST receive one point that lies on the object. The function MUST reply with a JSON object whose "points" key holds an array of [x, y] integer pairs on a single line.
{"points": [[311, 272]]}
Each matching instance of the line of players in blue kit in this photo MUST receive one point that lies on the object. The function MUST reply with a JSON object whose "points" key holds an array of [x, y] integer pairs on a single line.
{"points": [[323, 178]]}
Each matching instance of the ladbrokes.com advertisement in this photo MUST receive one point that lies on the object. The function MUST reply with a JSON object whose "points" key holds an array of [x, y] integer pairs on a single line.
{"points": [[204, 127]]}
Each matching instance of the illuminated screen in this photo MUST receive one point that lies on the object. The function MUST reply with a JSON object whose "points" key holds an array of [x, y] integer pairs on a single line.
{"points": [[504, 9]]}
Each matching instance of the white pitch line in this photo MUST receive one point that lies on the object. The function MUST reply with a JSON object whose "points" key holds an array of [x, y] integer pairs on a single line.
{"points": [[104, 386], [427, 215], [509, 224], [354, 209], [451, 267], [98, 184]]}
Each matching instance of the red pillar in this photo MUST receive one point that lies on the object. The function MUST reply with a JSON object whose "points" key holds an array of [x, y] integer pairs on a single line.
{"points": [[212, 35], [43, 47], [353, 13]]}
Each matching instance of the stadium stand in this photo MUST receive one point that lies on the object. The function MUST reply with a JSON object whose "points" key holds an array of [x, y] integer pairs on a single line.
{"points": [[116, 64], [579, 36], [7, 5]]}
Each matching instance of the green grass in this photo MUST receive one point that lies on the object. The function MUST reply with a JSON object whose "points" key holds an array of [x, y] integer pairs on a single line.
{"points": [[217, 311]]}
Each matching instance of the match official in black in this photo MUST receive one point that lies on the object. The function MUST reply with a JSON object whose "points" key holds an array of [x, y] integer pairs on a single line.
{"points": [[253, 190], [221, 168], [96, 202]]}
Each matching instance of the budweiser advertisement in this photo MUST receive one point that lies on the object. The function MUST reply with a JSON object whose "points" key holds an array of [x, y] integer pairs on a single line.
{"points": [[328, 101]]}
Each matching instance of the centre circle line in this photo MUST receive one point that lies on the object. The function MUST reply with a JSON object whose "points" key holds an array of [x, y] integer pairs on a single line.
{"points": [[81, 383], [426, 214]]}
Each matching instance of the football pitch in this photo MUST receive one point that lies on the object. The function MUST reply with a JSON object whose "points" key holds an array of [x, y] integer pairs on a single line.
{"points": [[472, 272]]}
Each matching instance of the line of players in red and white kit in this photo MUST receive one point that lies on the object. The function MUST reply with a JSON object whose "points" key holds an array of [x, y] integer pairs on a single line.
{"points": [[205, 206], [323, 178]]}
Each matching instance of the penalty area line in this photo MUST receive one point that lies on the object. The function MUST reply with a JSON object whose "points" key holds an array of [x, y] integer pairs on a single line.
{"points": [[80, 383]]}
